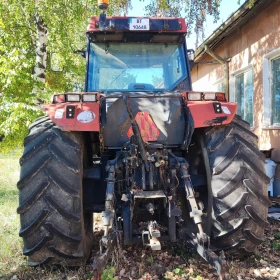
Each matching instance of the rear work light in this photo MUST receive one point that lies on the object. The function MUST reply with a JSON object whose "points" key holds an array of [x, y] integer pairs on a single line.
{"points": [[193, 96], [73, 97], [209, 96], [89, 97], [59, 98]]}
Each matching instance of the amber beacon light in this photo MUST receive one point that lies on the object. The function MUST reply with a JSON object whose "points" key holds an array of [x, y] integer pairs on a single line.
{"points": [[103, 4]]}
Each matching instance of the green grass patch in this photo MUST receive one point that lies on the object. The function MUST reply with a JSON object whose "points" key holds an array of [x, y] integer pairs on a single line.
{"points": [[11, 245], [12, 261]]}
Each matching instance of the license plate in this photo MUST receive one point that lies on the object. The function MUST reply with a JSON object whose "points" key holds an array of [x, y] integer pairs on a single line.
{"points": [[139, 24]]}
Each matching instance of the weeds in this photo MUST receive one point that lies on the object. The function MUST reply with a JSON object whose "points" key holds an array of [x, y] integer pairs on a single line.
{"points": [[277, 235], [108, 273], [179, 271], [150, 259], [275, 245]]}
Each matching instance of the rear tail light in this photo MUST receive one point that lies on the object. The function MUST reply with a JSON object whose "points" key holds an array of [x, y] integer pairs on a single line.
{"points": [[209, 96], [73, 97], [193, 96], [89, 97], [220, 96], [59, 98]]}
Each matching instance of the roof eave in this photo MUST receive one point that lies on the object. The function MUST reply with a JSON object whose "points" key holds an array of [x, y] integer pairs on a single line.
{"points": [[232, 23]]}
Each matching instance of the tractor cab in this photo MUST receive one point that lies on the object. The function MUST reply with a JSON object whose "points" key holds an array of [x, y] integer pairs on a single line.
{"points": [[127, 54]]}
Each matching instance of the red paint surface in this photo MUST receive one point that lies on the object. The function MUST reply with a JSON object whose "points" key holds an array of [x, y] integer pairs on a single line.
{"points": [[148, 129], [73, 124], [203, 112], [93, 20]]}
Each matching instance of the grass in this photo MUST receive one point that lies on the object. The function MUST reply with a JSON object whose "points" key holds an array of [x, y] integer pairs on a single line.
{"points": [[11, 245], [12, 261]]}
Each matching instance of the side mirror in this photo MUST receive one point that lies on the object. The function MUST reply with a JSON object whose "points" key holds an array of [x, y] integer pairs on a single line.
{"points": [[56, 62], [81, 52], [190, 54]]}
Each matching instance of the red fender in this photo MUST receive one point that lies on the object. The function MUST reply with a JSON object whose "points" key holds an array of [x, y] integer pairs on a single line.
{"points": [[203, 112], [81, 117]]}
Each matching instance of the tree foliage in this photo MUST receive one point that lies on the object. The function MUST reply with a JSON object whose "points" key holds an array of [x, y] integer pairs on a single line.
{"points": [[65, 22], [195, 12]]}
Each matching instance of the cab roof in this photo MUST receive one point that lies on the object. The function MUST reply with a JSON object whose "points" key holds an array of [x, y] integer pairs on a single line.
{"points": [[135, 29]]}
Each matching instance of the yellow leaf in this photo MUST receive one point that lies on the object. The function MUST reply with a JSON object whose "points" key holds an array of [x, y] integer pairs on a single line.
{"points": [[2, 24]]}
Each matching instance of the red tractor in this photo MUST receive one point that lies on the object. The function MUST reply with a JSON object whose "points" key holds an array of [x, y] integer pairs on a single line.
{"points": [[158, 160]]}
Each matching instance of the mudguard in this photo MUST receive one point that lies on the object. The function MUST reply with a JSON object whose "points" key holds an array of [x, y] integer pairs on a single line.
{"points": [[210, 113], [85, 116], [74, 116]]}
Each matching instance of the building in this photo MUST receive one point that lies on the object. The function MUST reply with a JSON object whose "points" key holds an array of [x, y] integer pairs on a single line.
{"points": [[242, 58]]}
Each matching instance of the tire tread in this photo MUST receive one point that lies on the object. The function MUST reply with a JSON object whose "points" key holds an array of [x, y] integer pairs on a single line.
{"points": [[50, 195], [240, 201]]}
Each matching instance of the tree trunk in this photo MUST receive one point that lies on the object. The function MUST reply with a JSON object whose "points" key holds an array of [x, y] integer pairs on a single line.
{"points": [[41, 52]]}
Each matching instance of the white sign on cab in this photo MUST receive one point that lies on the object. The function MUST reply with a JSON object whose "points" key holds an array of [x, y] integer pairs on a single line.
{"points": [[139, 24]]}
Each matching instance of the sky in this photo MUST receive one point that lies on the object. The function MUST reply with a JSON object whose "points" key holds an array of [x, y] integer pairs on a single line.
{"points": [[227, 7]]}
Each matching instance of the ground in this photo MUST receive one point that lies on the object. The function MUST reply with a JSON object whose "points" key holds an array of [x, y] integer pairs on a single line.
{"points": [[174, 261]]}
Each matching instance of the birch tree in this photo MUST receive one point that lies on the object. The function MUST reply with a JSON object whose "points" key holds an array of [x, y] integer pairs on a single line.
{"points": [[41, 46]]}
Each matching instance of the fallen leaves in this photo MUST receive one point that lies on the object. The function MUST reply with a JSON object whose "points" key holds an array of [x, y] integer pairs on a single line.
{"points": [[175, 262]]}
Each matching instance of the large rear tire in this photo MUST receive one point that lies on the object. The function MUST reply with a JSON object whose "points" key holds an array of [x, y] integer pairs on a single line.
{"points": [[239, 187], [53, 226]]}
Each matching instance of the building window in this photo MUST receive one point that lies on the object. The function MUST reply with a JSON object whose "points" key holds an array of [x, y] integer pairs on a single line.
{"points": [[271, 89], [244, 95], [275, 92], [218, 86]]}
